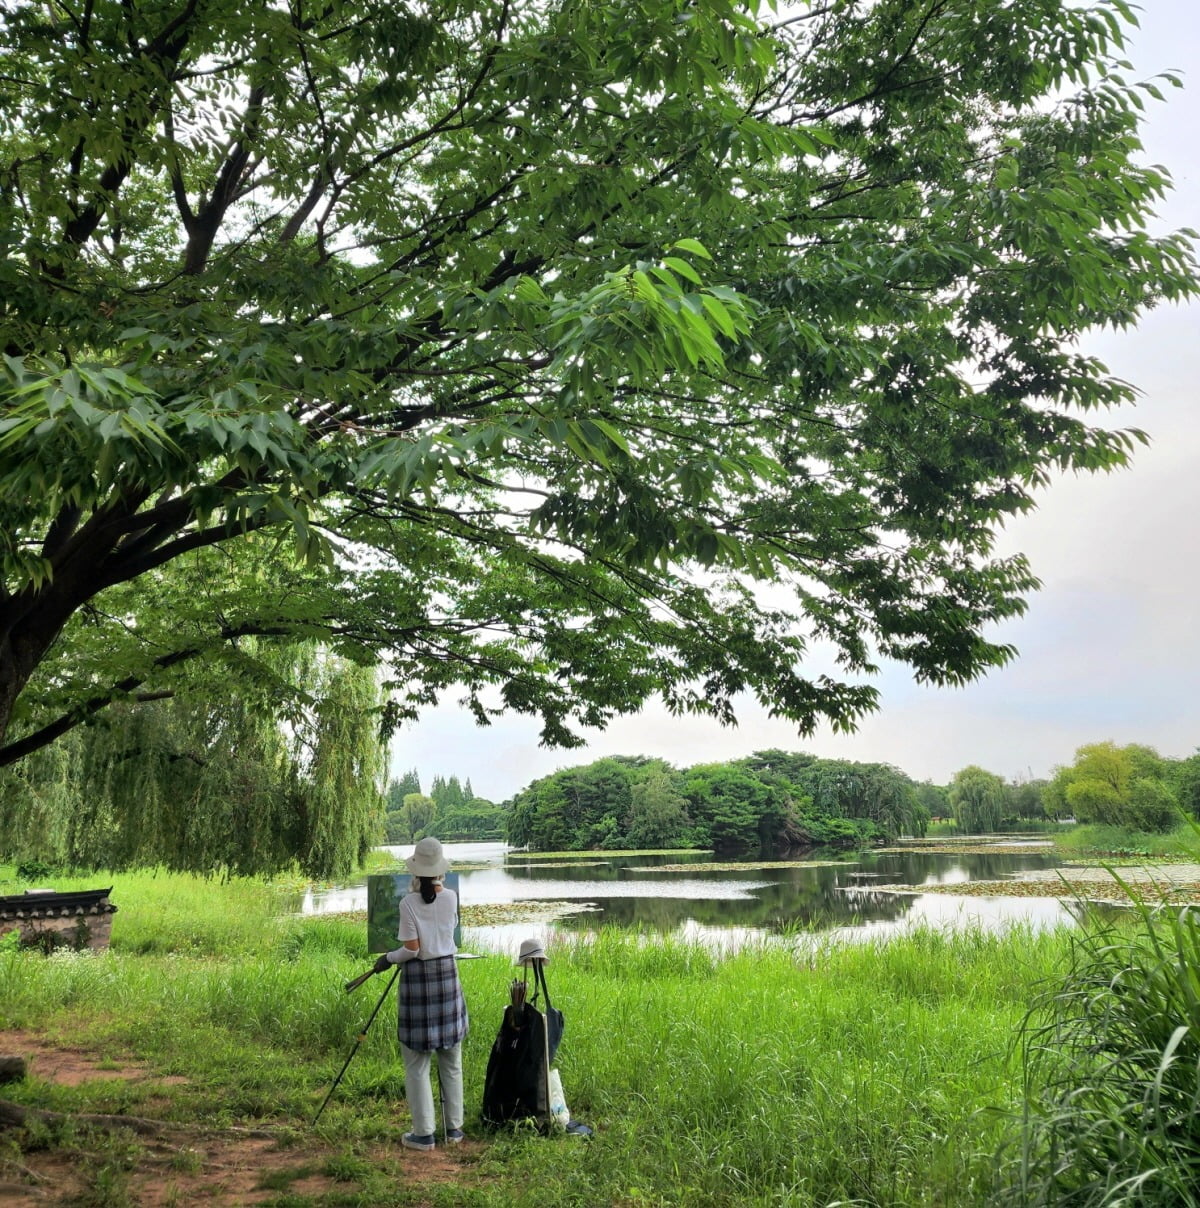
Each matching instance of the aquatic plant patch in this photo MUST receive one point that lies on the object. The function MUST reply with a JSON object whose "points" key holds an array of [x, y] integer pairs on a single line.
{"points": [[742, 866], [1171, 884], [514, 856], [499, 914], [967, 849]]}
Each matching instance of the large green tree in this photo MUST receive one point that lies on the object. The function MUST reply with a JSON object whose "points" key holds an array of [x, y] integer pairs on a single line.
{"points": [[876, 793], [1130, 786], [574, 809], [735, 809], [658, 814], [1186, 779], [409, 782], [547, 332], [411, 819]]}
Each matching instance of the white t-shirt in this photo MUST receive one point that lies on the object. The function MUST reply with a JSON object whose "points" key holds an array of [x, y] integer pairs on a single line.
{"points": [[430, 922]]}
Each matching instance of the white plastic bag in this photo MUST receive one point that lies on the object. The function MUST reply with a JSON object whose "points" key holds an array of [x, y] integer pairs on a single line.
{"points": [[558, 1104]]}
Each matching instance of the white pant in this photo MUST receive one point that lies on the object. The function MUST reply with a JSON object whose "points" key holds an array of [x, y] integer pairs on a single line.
{"points": [[419, 1090]]}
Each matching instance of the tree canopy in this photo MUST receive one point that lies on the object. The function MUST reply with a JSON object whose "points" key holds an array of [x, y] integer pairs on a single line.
{"points": [[451, 811], [875, 793], [1130, 786], [978, 799], [570, 351]]}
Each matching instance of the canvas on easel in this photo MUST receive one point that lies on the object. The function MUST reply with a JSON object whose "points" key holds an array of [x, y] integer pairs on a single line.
{"points": [[384, 891]]}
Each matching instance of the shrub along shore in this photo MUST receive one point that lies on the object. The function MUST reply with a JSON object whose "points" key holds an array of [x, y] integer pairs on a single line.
{"points": [[806, 1073]]}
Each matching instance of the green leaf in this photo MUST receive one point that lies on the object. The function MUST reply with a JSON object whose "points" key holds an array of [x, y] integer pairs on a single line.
{"points": [[682, 267], [694, 246], [716, 308]]}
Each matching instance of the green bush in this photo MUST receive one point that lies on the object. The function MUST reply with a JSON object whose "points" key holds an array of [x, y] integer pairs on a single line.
{"points": [[34, 870], [1152, 806]]}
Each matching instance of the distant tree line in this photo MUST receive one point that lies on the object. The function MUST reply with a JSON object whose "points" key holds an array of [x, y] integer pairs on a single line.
{"points": [[451, 811], [1132, 787], [778, 800], [197, 782]]}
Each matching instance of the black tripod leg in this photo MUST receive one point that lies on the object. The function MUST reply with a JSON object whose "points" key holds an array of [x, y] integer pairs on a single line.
{"points": [[442, 1097], [358, 1040]]}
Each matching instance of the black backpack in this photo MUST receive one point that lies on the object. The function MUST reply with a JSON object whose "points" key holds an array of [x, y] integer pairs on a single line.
{"points": [[517, 1083]]}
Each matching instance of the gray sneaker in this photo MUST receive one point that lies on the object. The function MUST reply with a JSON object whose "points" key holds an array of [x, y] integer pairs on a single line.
{"points": [[454, 1136], [412, 1141]]}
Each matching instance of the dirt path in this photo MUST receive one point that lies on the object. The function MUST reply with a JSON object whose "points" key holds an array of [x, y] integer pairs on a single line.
{"points": [[182, 1166]]}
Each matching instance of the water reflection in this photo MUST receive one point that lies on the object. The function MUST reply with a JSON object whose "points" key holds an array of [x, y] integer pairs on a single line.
{"points": [[729, 907]]}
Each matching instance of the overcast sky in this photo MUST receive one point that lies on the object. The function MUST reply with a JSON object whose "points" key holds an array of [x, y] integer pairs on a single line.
{"points": [[1110, 647]]}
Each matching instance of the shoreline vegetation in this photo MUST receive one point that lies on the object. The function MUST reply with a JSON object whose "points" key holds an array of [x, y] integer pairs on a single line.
{"points": [[896, 1072]]}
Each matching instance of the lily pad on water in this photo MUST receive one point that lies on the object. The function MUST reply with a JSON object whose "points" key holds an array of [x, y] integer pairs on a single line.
{"points": [[967, 849], [558, 864], [1176, 885], [392, 870], [743, 866], [501, 913], [496, 914], [591, 855]]}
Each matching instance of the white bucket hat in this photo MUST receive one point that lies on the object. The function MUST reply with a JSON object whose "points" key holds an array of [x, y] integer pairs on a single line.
{"points": [[531, 950], [428, 859]]}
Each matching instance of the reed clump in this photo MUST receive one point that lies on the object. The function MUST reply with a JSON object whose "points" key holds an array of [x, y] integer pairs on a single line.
{"points": [[1112, 1071]]}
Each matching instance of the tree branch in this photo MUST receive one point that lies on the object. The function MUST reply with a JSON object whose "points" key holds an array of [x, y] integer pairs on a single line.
{"points": [[42, 737], [202, 229]]}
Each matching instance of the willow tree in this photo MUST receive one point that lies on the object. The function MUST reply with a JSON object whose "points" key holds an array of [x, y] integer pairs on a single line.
{"points": [[978, 799], [278, 767], [587, 350]]}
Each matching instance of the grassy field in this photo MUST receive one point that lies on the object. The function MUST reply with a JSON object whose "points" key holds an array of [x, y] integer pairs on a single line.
{"points": [[187, 1063], [873, 1074]]}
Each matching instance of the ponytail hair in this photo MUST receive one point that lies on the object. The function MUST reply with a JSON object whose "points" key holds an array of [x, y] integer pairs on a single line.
{"points": [[425, 886]]}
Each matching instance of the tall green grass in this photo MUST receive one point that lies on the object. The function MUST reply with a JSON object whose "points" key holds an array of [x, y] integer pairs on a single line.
{"points": [[798, 1073], [160, 912], [872, 1073], [1112, 1071]]}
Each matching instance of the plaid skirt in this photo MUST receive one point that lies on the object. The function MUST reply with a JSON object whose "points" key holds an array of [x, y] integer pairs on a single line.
{"points": [[433, 1012]]}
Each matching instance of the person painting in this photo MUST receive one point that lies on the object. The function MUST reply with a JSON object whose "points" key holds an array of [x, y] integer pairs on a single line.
{"points": [[433, 1012]]}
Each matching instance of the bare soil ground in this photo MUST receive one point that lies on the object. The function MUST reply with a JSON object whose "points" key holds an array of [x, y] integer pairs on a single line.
{"points": [[181, 1166]]}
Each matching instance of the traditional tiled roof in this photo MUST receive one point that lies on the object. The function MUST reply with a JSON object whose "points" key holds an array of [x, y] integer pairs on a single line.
{"points": [[49, 904]]}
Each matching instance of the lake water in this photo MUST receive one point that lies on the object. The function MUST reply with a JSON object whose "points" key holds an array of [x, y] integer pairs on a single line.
{"points": [[727, 908]]}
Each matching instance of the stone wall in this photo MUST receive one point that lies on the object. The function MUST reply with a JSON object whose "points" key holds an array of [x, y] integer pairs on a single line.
{"points": [[49, 920]]}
